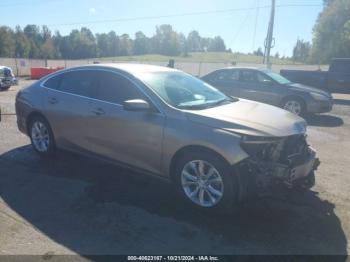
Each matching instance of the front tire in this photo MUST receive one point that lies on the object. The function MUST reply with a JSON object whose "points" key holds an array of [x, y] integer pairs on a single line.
{"points": [[294, 105], [41, 136], [205, 180]]}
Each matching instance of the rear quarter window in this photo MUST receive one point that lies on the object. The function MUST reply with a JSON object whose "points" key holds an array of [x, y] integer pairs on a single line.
{"points": [[79, 82], [53, 82]]}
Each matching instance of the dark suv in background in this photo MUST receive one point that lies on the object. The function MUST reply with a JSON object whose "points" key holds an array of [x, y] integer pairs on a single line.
{"points": [[271, 88]]}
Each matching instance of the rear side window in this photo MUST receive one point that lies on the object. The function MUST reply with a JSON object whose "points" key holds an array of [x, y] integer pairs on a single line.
{"points": [[115, 88], [78, 82], [53, 82], [226, 75]]}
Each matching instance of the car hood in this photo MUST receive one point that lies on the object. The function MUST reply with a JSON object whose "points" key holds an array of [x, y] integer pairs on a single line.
{"points": [[250, 118], [308, 89]]}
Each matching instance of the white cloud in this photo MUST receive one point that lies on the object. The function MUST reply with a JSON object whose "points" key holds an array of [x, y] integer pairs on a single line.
{"points": [[92, 11]]}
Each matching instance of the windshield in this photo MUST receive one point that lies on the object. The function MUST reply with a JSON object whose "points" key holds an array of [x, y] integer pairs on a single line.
{"points": [[184, 91], [278, 78]]}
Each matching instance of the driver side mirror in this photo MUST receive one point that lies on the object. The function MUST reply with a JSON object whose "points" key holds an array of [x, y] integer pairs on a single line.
{"points": [[136, 105]]}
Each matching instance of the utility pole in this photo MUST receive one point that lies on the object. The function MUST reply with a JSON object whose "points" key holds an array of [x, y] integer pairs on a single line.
{"points": [[269, 38]]}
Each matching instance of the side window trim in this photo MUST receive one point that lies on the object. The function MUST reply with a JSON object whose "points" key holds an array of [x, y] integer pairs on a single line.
{"points": [[149, 99]]}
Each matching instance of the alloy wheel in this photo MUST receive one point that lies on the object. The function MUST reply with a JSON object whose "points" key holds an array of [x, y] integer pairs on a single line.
{"points": [[202, 183], [293, 106], [40, 136]]}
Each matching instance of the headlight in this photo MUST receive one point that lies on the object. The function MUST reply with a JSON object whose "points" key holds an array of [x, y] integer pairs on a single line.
{"points": [[318, 96]]}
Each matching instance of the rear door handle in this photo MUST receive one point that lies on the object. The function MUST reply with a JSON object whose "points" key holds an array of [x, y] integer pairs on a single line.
{"points": [[98, 111], [53, 100]]}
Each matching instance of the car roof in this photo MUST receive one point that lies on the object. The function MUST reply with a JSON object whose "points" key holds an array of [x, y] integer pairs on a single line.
{"points": [[243, 67], [132, 68]]}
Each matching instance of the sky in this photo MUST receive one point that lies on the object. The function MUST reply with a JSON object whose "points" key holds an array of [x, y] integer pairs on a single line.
{"points": [[241, 23]]}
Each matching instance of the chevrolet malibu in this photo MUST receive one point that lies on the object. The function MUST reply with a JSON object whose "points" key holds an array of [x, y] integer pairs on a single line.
{"points": [[164, 122]]}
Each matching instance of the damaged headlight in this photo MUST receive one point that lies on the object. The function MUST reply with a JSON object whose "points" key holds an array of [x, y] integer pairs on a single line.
{"points": [[260, 146]]}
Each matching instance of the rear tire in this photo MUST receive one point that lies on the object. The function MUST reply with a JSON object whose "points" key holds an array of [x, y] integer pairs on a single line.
{"points": [[41, 136], [206, 181]]}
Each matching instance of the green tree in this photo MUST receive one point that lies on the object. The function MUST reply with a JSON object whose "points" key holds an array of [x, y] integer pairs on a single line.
{"points": [[330, 33], [22, 44], [258, 52], [141, 44], [194, 42], [125, 47], [102, 45], [301, 51], [81, 44], [7, 42], [217, 45], [167, 41]]}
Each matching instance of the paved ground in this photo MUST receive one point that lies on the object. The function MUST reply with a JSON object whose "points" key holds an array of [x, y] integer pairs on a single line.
{"points": [[74, 205]]}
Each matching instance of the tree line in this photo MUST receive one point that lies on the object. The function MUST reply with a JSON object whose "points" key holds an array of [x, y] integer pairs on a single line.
{"points": [[38, 42], [331, 35]]}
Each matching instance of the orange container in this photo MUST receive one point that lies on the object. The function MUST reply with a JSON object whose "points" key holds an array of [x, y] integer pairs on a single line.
{"points": [[39, 72]]}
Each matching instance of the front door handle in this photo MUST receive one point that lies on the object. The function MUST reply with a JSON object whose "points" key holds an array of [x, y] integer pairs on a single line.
{"points": [[98, 111], [53, 101]]}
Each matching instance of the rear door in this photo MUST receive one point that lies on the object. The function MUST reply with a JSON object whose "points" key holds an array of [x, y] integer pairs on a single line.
{"points": [[132, 137], [257, 86], [227, 81], [66, 104]]}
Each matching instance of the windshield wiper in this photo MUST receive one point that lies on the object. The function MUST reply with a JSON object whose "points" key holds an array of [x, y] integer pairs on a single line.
{"points": [[201, 106], [208, 105], [225, 100]]}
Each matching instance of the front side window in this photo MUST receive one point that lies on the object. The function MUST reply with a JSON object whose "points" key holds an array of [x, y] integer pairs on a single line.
{"points": [[115, 88], [182, 90], [278, 78], [80, 82]]}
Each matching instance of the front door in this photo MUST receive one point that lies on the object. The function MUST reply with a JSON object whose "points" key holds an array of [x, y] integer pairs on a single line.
{"points": [[131, 137], [256, 86]]}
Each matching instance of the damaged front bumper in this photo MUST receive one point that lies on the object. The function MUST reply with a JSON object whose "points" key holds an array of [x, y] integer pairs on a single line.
{"points": [[289, 161]]}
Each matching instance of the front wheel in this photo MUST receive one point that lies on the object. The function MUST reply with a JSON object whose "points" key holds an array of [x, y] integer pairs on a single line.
{"points": [[205, 181], [294, 105], [41, 136]]}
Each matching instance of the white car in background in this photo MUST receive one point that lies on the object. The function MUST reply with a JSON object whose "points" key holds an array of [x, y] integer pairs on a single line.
{"points": [[7, 78]]}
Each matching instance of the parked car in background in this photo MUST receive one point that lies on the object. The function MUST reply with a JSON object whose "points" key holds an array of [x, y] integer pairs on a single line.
{"points": [[170, 124], [7, 78], [336, 79], [271, 88]]}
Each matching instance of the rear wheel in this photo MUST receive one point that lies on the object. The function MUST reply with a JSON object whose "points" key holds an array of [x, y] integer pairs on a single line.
{"points": [[204, 180], [41, 136]]}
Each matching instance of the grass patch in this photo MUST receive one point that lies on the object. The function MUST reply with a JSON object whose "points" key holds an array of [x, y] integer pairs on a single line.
{"points": [[199, 57]]}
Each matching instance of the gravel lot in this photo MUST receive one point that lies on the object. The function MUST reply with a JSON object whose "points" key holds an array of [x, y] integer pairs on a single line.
{"points": [[73, 205]]}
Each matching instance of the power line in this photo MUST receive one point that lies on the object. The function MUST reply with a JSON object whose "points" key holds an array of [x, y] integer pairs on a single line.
{"points": [[241, 26], [180, 15]]}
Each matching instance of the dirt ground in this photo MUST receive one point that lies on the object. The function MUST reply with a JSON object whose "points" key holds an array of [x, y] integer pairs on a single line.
{"points": [[74, 205]]}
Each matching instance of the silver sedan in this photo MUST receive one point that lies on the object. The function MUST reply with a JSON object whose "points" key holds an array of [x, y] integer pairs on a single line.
{"points": [[164, 122]]}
